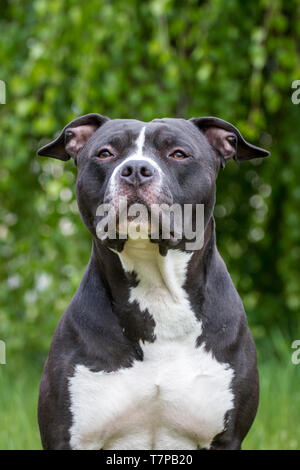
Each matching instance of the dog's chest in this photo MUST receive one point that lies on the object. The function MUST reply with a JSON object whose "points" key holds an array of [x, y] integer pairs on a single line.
{"points": [[176, 398]]}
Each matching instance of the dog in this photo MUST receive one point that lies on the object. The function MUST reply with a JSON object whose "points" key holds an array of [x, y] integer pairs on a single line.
{"points": [[154, 350]]}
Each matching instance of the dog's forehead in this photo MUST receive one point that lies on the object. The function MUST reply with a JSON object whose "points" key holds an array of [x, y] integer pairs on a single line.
{"points": [[170, 127], [130, 129]]}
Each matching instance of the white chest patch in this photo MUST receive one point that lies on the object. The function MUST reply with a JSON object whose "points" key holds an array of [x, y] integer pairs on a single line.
{"points": [[177, 397]]}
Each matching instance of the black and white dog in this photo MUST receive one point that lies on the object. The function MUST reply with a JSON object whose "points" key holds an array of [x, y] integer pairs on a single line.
{"points": [[154, 350]]}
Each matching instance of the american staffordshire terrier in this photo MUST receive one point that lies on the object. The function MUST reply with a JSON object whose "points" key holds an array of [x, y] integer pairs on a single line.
{"points": [[154, 350]]}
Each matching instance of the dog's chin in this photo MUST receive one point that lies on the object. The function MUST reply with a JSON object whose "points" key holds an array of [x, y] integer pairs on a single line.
{"points": [[139, 233], [118, 244], [134, 229]]}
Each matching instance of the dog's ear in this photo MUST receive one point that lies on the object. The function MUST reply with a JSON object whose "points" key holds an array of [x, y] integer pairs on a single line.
{"points": [[227, 140], [73, 137]]}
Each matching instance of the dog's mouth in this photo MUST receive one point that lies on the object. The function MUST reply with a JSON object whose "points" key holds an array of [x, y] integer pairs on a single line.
{"points": [[135, 218], [139, 213], [139, 220], [147, 194]]}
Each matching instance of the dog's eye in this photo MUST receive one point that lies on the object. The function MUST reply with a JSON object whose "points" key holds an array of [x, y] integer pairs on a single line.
{"points": [[104, 153], [178, 155], [232, 139], [69, 135]]}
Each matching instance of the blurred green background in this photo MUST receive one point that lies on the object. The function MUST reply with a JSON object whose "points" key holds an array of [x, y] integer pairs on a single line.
{"points": [[131, 59]]}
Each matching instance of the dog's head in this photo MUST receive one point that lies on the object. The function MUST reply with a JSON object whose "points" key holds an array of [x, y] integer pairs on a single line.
{"points": [[163, 162]]}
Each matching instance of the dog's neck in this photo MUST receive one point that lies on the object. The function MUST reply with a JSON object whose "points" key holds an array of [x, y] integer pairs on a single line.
{"points": [[174, 269], [151, 295], [155, 272]]}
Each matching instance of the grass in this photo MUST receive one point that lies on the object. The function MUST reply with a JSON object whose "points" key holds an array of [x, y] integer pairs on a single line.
{"points": [[275, 427], [277, 422], [18, 414]]}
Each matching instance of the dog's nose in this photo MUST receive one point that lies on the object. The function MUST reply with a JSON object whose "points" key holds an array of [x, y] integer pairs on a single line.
{"points": [[137, 172]]}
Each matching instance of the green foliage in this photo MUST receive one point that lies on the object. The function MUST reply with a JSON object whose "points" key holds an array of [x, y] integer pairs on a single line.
{"points": [[60, 59]]}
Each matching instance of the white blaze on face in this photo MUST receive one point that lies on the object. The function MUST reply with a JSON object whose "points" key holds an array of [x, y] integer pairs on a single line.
{"points": [[140, 143], [136, 155]]}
